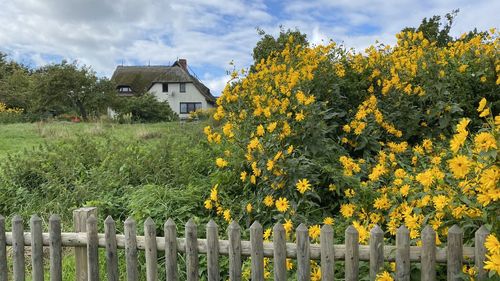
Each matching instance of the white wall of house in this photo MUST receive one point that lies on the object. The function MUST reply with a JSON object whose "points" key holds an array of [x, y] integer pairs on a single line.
{"points": [[175, 97]]}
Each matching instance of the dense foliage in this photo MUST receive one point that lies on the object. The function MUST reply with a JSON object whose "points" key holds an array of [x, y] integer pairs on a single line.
{"points": [[309, 128], [144, 109]]}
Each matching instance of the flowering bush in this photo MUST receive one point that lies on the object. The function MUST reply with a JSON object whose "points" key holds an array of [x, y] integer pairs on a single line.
{"points": [[293, 150], [10, 115]]}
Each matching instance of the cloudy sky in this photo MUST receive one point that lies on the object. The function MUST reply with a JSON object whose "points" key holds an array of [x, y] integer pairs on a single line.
{"points": [[208, 33]]}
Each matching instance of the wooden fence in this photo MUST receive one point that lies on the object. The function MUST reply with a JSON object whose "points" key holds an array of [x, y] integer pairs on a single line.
{"points": [[88, 242]]}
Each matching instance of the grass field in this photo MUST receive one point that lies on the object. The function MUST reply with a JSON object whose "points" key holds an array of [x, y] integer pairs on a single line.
{"points": [[20, 136]]}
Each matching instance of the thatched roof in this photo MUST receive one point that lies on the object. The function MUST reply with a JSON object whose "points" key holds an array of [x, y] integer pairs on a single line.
{"points": [[142, 78]]}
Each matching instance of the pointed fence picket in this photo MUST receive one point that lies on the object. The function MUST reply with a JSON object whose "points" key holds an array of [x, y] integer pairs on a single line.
{"points": [[428, 255]]}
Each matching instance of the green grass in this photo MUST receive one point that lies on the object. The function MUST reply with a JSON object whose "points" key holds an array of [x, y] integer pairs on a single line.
{"points": [[20, 136]]}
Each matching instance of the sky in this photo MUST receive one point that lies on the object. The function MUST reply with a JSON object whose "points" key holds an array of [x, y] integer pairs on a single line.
{"points": [[208, 33]]}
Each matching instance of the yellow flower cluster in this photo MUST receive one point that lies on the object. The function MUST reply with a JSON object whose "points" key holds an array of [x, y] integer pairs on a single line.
{"points": [[492, 262], [5, 109]]}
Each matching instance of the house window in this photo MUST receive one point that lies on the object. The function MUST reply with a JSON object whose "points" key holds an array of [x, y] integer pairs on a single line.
{"points": [[164, 87], [182, 87], [187, 107], [124, 89]]}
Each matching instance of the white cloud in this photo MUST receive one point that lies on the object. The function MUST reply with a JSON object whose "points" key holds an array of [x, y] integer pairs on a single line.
{"points": [[209, 33]]}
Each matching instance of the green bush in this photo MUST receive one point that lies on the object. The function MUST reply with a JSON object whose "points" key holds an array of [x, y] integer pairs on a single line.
{"points": [[145, 109]]}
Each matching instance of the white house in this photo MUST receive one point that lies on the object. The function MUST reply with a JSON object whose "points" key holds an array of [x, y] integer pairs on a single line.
{"points": [[174, 84]]}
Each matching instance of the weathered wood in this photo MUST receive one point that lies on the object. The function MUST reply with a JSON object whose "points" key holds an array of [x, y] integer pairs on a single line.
{"points": [[213, 251], [130, 229], [192, 261], [480, 252], [80, 217], [303, 255], [428, 254], [234, 251], [403, 254], [171, 250], [454, 264], [376, 251], [55, 248], [18, 248], [36, 248], [151, 250], [111, 249], [327, 253], [257, 251], [92, 249], [351, 254], [3, 251], [279, 245]]}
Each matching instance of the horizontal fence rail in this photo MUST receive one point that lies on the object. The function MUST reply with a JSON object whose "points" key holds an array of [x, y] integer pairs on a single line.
{"points": [[87, 245]]}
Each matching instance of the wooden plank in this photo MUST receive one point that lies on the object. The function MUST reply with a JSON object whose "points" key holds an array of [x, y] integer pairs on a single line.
{"points": [[130, 229], [92, 249], [36, 248], [351, 254], [3, 251], [303, 255], [403, 254], [234, 251], [428, 254], [213, 251], [111, 249], [480, 252], [171, 250], [376, 251], [279, 245], [257, 251], [454, 264], [80, 217], [192, 261], [55, 248], [151, 250], [18, 248], [327, 253]]}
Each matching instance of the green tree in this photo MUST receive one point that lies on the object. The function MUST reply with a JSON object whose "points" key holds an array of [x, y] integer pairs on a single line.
{"points": [[431, 28], [269, 44]]}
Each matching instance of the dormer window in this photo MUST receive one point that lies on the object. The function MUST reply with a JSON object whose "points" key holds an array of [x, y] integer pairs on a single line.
{"points": [[182, 87], [124, 89], [164, 87]]}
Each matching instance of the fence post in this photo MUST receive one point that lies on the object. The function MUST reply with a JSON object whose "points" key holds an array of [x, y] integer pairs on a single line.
{"points": [[131, 249], [213, 251], [279, 247], [80, 217], [428, 254], [454, 253], [257, 246], [327, 253], [376, 251], [170, 250], [36, 248], [234, 236], [303, 254], [192, 260], [3, 251], [111, 251], [55, 244], [150, 251], [479, 252], [92, 249], [351, 254], [18, 248]]}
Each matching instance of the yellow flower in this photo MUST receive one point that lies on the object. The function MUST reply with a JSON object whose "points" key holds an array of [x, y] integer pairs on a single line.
{"points": [[268, 201], [382, 203], [243, 176], [492, 244], [384, 276], [260, 130], [299, 116], [462, 68], [314, 231], [485, 113], [208, 204], [482, 104], [270, 165], [221, 163], [484, 141], [440, 202], [404, 190], [288, 225], [459, 166], [347, 210], [492, 263], [328, 221], [249, 208], [227, 215], [303, 185], [272, 126], [289, 264], [282, 204], [213, 193], [332, 187]]}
